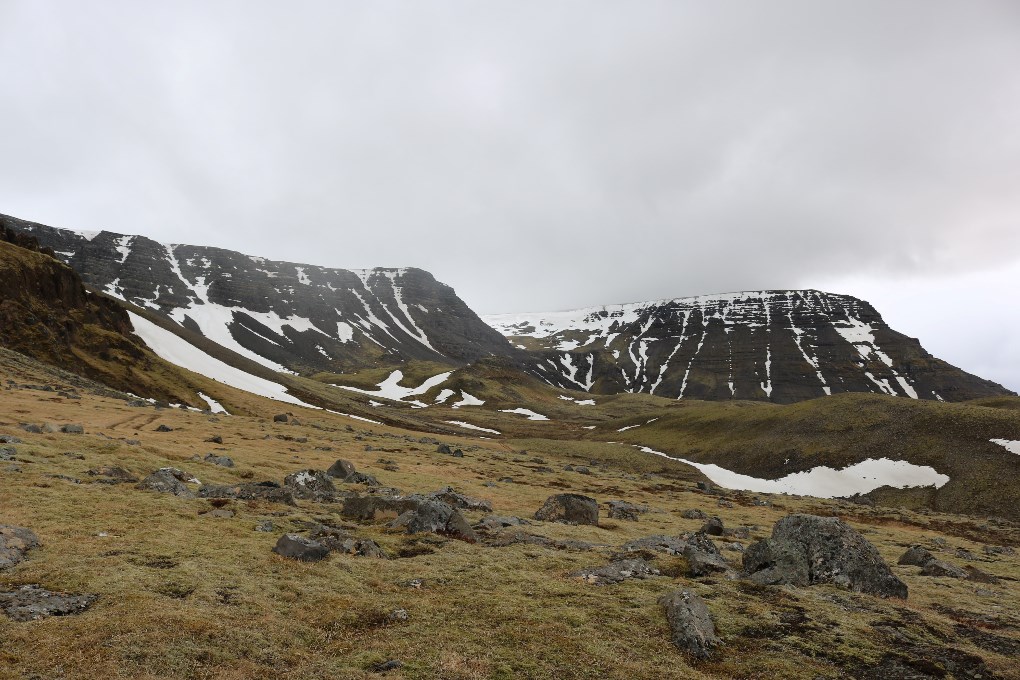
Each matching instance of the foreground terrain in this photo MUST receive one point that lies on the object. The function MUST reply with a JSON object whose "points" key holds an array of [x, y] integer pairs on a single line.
{"points": [[190, 586]]}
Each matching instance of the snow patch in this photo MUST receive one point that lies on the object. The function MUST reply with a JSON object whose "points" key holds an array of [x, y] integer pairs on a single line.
{"points": [[214, 405], [1013, 446], [824, 482], [469, 426], [525, 412]]}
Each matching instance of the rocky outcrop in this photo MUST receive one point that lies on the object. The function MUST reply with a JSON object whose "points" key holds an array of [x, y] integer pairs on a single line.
{"points": [[296, 547], [32, 602], [775, 345], [617, 571], [806, 550]]}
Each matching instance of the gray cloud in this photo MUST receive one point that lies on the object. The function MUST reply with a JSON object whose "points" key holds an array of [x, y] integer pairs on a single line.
{"points": [[534, 155]]}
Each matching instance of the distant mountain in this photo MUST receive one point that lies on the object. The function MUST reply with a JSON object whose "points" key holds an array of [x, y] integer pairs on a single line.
{"points": [[776, 345], [285, 316]]}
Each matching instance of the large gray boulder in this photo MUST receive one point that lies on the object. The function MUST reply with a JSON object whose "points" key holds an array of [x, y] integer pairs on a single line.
{"points": [[249, 491], [805, 550], [14, 543], [430, 515], [690, 622], [341, 469], [310, 485], [570, 508], [703, 556]]}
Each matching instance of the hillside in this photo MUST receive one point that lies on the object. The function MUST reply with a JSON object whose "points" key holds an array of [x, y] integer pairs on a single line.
{"points": [[185, 586], [779, 346]]}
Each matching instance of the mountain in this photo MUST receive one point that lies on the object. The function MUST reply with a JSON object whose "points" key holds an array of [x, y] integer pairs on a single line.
{"points": [[285, 316], [775, 345]]}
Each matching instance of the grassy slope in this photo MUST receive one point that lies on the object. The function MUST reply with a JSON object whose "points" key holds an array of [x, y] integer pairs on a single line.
{"points": [[186, 595]]}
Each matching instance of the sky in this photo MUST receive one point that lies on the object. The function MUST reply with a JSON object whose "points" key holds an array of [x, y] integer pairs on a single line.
{"points": [[548, 155]]}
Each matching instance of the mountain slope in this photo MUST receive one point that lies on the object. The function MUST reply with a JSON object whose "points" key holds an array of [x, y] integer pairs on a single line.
{"points": [[781, 346], [282, 315]]}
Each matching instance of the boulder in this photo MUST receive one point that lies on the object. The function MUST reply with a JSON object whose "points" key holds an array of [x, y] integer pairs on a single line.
{"points": [[31, 428], [8, 453], [164, 428], [690, 623], [32, 602], [444, 448], [310, 485], [366, 508], [341, 469], [430, 515], [72, 429], [625, 510], [215, 439], [9, 439], [14, 543], [570, 508], [693, 513], [169, 480], [916, 556], [935, 567], [297, 547], [703, 557], [978, 576], [617, 571], [713, 527], [281, 418], [805, 550]]}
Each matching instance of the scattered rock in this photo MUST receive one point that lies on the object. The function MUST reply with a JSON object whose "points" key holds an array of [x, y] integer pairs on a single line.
{"points": [[703, 557], [298, 547], [569, 508], [311, 485], [72, 429], [625, 510], [14, 543], [437, 517], [221, 513], [8, 453], [9, 439], [265, 526], [341, 469], [223, 461], [939, 568], [169, 480], [916, 556], [693, 513], [713, 527], [215, 439], [398, 616], [281, 418], [805, 549], [978, 576], [444, 448], [617, 571], [390, 665], [30, 428], [164, 428], [32, 602], [690, 622]]}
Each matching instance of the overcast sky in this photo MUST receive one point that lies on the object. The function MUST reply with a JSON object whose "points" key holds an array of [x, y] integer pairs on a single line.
{"points": [[548, 155]]}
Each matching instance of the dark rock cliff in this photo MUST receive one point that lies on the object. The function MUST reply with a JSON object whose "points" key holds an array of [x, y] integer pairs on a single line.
{"points": [[780, 346]]}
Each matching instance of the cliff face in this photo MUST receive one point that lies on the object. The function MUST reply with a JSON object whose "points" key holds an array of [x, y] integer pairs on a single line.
{"points": [[780, 346], [283, 315], [47, 313]]}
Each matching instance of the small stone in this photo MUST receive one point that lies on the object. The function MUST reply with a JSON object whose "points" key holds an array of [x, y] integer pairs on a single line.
{"points": [[9, 439], [32, 602], [281, 418], [693, 514], [72, 429], [617, 571], [265, 526], [164, 428]]}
